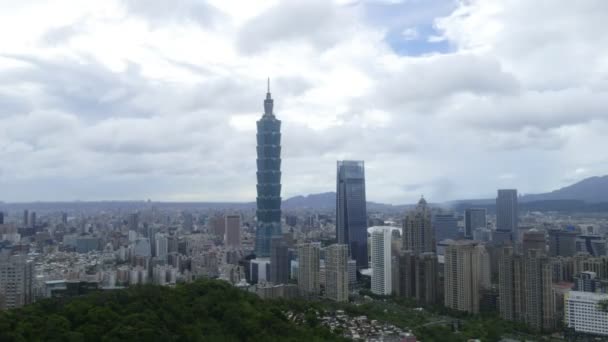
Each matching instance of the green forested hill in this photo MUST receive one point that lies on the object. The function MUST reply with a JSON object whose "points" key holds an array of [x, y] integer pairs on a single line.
{"points": [[202, 311]]}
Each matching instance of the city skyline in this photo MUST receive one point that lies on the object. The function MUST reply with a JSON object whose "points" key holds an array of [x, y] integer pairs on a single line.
{"points": [[166, 109]]}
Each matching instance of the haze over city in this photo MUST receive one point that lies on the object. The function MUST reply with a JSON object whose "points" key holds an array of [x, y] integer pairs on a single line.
{"points": [[157, 99]]}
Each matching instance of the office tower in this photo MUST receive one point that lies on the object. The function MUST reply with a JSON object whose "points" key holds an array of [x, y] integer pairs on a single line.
{"points": [[26, 218], [534, 239], [291, 220], [64, 218], [232, 237], [32, 221], [1, 217], [133, 221], [507, 216], [583, 313], [308, 269], [474, 218], [336, 272], [482, 234], [467, 272], [269, 179], [445, 226], [162, 246], [418, 234], [381, 261], [562, 242], [351, 210], [16, 280], [594, 245], [188, 222], [279, 261]]}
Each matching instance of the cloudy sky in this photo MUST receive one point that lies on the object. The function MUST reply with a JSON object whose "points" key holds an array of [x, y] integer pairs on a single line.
{"points": [[137, 99]]}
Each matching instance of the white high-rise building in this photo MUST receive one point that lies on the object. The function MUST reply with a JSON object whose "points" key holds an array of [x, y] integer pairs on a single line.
{"points": [[162, 246], [381, 261], [582, 312]]}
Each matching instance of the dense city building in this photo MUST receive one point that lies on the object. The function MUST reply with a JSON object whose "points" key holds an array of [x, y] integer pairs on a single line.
{"points": [[351, 210], [269, 179], [16, 281], [279, 261], [562, 242], [232, 236]]}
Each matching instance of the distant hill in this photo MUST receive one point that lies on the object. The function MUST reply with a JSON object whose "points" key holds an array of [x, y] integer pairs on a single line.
{"points": [[592, 190], [327, 200]]}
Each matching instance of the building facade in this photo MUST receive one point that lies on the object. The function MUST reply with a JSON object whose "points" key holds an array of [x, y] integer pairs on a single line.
{"points": [[232, 238]]}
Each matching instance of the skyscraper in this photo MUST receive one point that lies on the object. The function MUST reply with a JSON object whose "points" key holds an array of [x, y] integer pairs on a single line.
{"points": [[473, 219], [336, 272], [162, 246], [507, 215], [351, 209], [308, 269], [26, 218], [279, 261], [269, 179], [381, 261], [232, 237]]}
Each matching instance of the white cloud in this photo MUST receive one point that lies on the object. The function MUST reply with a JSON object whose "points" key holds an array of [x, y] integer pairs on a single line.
{"points": [[132, 99]]}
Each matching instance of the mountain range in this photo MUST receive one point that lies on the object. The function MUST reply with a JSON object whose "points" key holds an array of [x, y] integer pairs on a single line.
{"points": [[591, 190]]}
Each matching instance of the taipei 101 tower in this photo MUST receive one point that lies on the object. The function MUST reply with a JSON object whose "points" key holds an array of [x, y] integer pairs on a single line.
{"points": [[269, 179]]}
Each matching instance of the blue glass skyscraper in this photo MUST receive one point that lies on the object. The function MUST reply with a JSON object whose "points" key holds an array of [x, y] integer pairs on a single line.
{"points": [[269, 179], [351, 210]]}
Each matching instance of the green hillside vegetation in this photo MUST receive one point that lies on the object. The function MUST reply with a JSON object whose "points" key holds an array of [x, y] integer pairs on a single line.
{"points": [[207, 310]]}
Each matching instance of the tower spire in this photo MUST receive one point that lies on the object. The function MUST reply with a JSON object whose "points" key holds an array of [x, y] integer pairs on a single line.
{"points": [[268, 103]]}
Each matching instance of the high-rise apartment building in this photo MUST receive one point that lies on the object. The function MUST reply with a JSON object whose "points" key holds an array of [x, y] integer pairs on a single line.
{"points": [[474, 218], [232, 236], [279, 261], [308, 269], [534, 239], [268, 212], [418, 267], [381, 261], [188, 222], [526, 289], [351, 210], [16, 280], [507, 216], [466, 274], [336, 272]]}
